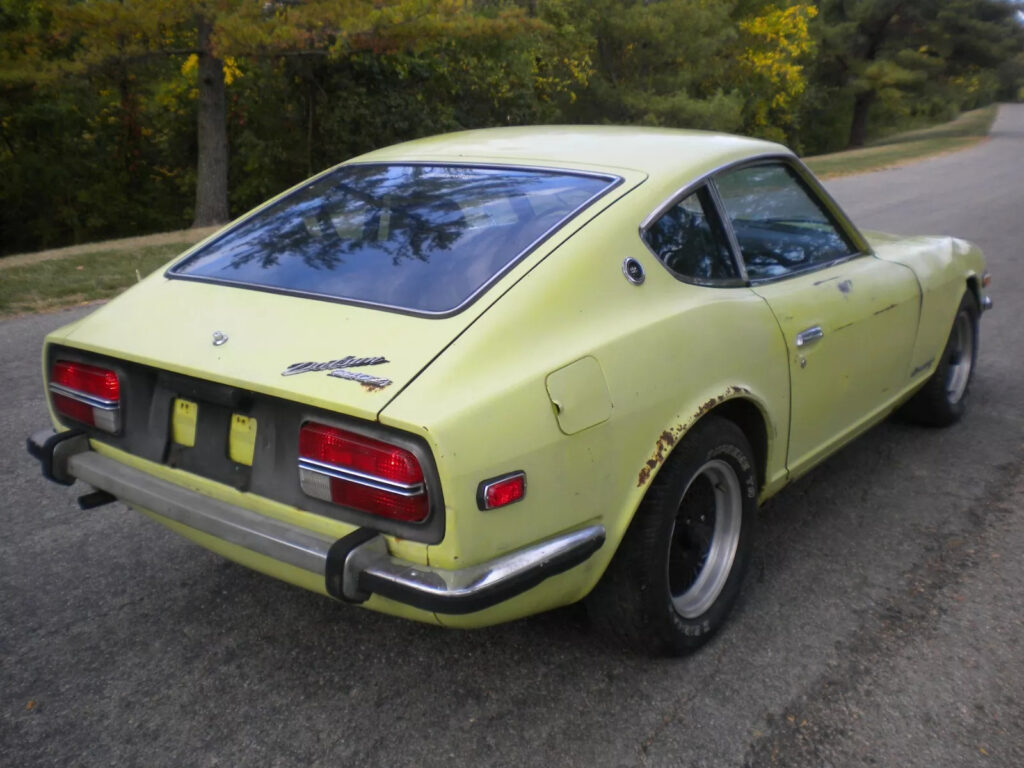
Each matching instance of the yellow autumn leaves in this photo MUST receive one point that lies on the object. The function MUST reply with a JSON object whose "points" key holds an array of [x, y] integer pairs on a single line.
{"points": [[776, 44]]}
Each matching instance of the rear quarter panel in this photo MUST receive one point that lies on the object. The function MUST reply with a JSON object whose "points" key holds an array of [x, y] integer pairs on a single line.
{"points": [[668, 352]]}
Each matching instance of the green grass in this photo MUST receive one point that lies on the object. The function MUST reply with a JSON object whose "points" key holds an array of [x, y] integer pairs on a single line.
{"points": [[64, 282], [898, 149]]}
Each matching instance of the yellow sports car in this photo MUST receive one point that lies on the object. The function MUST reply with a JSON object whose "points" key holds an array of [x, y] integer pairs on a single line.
{"points": [[477, 376]]}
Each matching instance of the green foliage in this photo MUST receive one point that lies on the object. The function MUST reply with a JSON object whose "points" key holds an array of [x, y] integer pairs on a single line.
{"points": [[897, 63], [661, 63], [98, 100]]}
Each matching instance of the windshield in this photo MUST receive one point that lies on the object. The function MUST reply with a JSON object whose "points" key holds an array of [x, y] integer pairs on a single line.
{"points": [[420, 238]]}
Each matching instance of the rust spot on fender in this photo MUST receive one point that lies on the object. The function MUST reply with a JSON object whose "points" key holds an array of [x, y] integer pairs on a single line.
{"points": [[662, 448], [668, 438]]}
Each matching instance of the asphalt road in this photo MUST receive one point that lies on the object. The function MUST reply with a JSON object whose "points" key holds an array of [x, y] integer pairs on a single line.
{"points": [[881, 624]]}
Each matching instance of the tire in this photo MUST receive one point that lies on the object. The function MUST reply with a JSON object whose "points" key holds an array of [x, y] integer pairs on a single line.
{"points": [[680, 566], [943, 398]]}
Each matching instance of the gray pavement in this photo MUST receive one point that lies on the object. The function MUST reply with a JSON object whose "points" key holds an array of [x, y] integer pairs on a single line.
{"points": [[881, 623]]}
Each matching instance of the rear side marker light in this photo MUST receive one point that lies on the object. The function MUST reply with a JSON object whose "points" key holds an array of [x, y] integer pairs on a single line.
{"points": [[87, 394], [501, 491], [362, 473]]}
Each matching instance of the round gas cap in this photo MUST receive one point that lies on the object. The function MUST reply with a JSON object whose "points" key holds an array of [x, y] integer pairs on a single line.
{"points": [[633, 271]]}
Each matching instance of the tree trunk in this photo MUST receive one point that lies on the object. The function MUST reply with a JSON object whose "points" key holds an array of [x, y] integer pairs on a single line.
{"points": [[859, 124], [212, 136]]}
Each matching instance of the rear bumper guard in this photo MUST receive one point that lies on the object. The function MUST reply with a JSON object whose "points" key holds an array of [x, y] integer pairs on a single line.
{"points": [[354, 567]]}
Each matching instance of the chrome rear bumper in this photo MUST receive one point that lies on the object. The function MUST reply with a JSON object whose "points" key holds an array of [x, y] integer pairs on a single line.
{"points": [[354, 567]]}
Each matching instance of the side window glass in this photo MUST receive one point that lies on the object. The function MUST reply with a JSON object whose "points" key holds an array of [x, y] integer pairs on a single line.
{"points": [[780, 226], [690, 240]]}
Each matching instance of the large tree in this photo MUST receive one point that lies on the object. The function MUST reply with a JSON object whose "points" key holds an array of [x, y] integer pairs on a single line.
{"points": [[873, 47]]}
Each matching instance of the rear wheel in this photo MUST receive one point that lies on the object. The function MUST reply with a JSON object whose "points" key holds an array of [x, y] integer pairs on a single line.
{"points": [[943, 398], [679, 568]]}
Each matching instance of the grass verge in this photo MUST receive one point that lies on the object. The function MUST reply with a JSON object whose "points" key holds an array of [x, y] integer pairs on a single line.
{"points": [[64, 282], [902, 148]]}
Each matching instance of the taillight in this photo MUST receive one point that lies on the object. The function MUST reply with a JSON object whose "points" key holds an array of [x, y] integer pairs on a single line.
{"points": [[362, 473], [87, 394]]}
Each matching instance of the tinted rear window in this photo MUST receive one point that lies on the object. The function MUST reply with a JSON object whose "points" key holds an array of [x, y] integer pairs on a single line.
{"points": [[412, 237]]}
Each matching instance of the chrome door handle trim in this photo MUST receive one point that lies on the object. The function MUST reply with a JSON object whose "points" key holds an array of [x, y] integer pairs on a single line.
{"points": [[809, 336]]}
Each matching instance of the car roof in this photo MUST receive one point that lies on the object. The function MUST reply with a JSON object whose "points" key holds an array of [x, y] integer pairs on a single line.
{"points": [[654, 151]]}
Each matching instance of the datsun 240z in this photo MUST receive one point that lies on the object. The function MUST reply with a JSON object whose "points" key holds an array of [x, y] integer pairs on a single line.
{"points": [[477, 376]]}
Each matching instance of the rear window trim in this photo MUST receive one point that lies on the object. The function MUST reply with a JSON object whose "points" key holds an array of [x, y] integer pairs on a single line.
{"points": [[613, 181]]}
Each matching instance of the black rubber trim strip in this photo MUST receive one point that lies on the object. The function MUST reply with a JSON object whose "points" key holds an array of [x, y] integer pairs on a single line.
{"points": [[470, 603], [44, 452], [334, 568]]}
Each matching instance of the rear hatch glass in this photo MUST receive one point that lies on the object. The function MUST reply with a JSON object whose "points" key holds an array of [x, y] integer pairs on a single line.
{"points": [[425, 239]]}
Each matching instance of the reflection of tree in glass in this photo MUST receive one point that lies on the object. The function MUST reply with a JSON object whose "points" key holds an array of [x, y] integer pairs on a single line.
{"points": [[779, 225], [403, 213], [683, 241], [451, 229]]}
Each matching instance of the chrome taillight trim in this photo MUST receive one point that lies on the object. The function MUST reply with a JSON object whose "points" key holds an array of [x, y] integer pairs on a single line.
{"points": [[83, 397], [360, 478]]}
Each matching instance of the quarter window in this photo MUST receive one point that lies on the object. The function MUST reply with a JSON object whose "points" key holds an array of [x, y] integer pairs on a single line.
{"points": [[690, 240], [780, 226]]}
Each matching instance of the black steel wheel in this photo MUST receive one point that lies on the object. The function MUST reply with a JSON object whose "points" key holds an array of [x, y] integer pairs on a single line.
{"points": [[681, 563]]}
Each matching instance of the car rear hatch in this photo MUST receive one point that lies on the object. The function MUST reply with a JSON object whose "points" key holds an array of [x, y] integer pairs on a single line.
{"points": [[339, 292], [258, 341], [203, 386], [218, 372]]}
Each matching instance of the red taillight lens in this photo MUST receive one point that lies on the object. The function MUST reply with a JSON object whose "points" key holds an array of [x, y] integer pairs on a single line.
{"points": [[409, 509], [501, 491], [357, 452], [87, 379], [74, 409], [362, 473], [87, 394]]}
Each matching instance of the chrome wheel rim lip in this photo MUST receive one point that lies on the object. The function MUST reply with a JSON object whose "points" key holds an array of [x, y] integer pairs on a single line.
{"points": [[961, 358], [699, 596]]}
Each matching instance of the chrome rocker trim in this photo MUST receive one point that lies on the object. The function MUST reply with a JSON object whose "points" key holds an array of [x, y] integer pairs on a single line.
{"points": [[352, 571]]}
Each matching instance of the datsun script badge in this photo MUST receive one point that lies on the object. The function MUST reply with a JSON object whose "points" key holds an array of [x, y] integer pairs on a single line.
{"points": [[340, 369]]}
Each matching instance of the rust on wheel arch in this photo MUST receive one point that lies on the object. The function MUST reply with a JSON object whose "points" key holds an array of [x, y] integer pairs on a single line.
{"points": [[667, 439]]}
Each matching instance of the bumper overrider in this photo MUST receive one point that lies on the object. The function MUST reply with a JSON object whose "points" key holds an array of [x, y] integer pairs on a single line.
{"points": [[353, 567]]}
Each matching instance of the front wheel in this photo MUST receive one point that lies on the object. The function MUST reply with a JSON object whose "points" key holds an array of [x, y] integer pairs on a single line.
{"points": [[679, 568], [943, 398]]}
